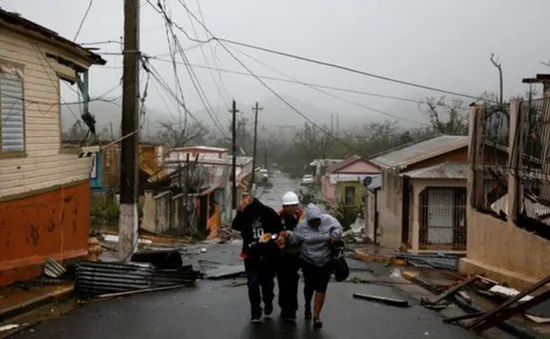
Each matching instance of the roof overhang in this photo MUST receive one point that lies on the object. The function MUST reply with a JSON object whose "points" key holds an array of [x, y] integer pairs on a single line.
{"points": [[18, 24]]}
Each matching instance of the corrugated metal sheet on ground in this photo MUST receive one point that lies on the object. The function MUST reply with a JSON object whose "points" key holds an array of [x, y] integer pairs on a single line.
{"points": [[449, 262], [96, 278]]}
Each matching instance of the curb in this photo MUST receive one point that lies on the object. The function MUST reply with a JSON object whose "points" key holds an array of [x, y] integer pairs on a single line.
{"points": [[63, 293], [357, 254]]}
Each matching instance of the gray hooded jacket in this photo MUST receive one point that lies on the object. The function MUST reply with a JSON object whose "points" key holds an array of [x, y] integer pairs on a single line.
{"points": [[315, 247]]}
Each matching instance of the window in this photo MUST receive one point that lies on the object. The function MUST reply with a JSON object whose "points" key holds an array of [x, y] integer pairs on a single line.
{"points": [[349, 196], [12, 129]]}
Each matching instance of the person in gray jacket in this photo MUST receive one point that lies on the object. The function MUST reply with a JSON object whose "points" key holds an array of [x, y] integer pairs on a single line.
{"points": [[316, 237]]}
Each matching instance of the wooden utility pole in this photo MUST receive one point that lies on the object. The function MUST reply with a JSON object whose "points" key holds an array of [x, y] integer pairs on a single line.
{"points": [[234, 149], [265, 158], [256, 109], [128, 220], [185, 197]]}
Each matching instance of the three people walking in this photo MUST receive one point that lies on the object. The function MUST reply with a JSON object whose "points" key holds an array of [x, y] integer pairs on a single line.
{"points": [[280, 244]]}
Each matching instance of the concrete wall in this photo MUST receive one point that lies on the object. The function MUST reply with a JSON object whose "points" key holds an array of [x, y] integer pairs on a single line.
{"points": [[503, 252], [419, 185], [390, 210], [369, 213]]}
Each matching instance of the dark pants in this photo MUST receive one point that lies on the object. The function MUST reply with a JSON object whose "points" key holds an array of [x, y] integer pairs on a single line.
{"points": [[316, 279], [260, 275], [287, 277]]}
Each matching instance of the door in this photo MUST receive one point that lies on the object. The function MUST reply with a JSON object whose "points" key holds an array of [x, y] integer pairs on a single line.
{"points": [[440, 215]]}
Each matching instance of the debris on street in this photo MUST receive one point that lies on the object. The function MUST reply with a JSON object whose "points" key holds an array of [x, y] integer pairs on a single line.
{"points": [[53, 269], [382, 300], [214, 270], [164, 259], [377, 281], [9, 327], [134, 292], [114, 238], [438, 261], [356, 233], [96, 278]]}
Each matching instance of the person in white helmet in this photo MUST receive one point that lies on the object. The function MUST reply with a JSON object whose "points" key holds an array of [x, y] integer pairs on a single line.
{"points": [[289, 264]]}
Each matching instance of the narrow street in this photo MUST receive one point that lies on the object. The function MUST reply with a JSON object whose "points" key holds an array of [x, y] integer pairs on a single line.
{"points": [[219, 309]]}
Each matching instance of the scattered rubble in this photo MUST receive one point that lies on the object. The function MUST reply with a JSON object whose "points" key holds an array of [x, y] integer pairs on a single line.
{"points": [[356, 233]]}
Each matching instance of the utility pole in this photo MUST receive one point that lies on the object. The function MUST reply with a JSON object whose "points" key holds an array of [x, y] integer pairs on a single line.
{"points": [[234, 165], [185, 197], [256, 109], [265, 158], [128, 220]]}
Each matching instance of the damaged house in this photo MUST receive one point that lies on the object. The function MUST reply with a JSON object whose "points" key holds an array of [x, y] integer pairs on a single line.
{"points": [[44, 187]]}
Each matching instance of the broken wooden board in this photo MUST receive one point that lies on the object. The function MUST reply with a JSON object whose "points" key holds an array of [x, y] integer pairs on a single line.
{"points": [[382, 300]]}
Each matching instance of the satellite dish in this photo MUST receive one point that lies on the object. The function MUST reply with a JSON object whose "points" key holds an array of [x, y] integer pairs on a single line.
{"points": [[367, 181]]}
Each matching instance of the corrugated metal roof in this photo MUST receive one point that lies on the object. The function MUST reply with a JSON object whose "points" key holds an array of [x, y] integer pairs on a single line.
{"points": [[324, 162], [440, 171], [334, 178], [422, 150]]}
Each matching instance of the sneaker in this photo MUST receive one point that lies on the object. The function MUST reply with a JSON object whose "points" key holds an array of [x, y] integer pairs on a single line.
{"points": [[317, 323], [308, 314], [255, 319], [268, 309], [289, 317]]}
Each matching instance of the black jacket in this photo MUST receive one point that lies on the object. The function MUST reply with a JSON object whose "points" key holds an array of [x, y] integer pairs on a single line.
{"points": [[257, 219]]}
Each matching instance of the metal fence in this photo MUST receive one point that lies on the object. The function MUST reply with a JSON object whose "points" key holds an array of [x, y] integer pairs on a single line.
{"points": [[442, 212], [492, 166], [534, 164]]}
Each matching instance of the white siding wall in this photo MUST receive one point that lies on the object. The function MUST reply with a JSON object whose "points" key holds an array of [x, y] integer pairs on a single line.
{"points": [[44, 165]]}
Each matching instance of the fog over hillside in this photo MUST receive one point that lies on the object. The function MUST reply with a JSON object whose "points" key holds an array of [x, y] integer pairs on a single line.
{"points": [[276, 117]]}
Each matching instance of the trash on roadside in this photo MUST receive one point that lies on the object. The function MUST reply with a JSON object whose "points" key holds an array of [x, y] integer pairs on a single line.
{"points": [[53, 269], [382, 300], [203, 250], [96, 278], [214, 270]]}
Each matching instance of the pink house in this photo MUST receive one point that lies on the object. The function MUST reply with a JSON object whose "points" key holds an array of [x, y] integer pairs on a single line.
{"points": [[343, 180]]}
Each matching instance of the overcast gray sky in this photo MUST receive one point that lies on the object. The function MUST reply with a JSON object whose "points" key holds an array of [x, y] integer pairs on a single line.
{"points": [[440, 43]]}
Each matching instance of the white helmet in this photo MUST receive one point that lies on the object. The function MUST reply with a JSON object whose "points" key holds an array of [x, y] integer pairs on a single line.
{"points": [[290, 198]]}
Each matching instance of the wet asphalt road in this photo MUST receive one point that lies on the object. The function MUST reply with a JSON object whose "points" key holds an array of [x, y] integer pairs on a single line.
{"points": [[219, 309]]}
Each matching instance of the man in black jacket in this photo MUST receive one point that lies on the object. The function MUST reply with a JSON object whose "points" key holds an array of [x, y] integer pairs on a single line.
{"points": [[257, 222]]}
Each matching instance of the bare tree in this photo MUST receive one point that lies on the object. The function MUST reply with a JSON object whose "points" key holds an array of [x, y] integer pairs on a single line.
{"points": [[447, 118], [314, 142], [178, 135]]}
